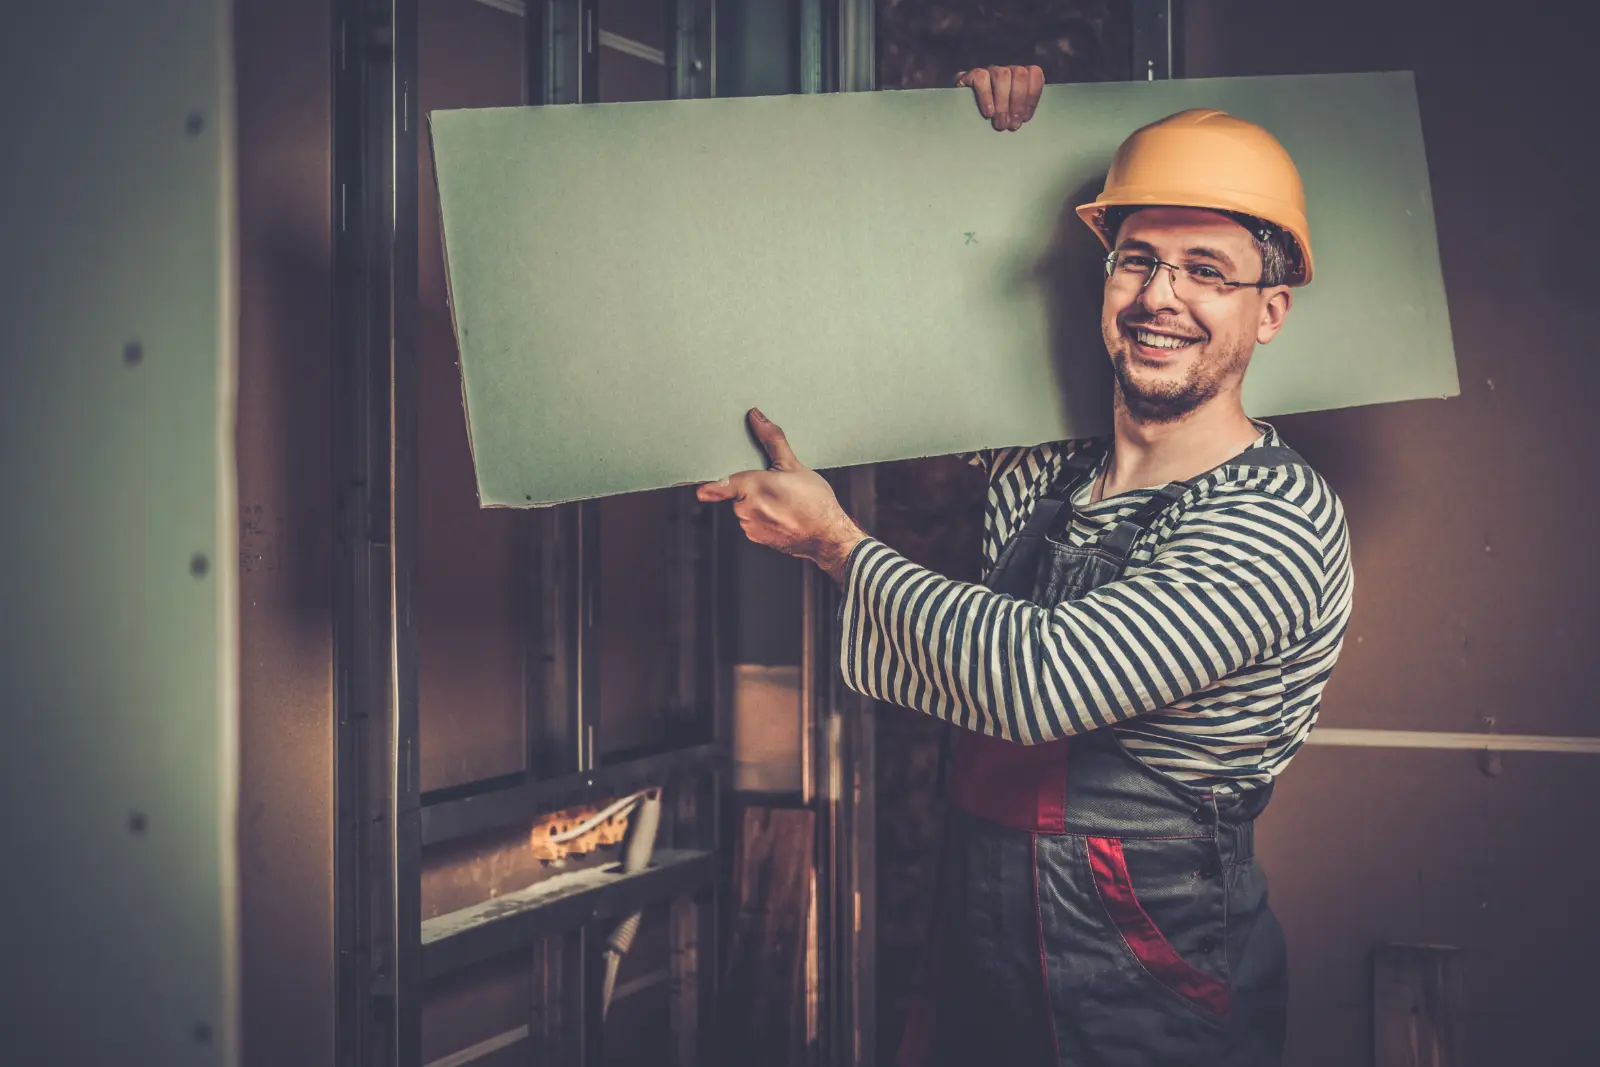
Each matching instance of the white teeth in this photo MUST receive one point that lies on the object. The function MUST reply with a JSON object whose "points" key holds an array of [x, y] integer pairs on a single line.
{"points": [[1160, 340]]}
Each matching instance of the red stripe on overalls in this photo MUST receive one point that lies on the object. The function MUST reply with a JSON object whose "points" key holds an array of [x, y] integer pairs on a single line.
{"points": [[1020, 786], [1149, 945]]}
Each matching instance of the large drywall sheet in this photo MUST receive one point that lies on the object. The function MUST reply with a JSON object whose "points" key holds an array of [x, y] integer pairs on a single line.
{"points": [[118, 560], [881, 272]]}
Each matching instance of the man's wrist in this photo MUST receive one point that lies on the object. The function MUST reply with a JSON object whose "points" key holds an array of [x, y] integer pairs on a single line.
{"points": [[835, 553]]}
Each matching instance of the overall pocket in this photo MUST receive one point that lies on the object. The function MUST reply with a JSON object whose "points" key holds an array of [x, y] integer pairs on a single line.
{"points": [[1121, 931], [1167, 901]]}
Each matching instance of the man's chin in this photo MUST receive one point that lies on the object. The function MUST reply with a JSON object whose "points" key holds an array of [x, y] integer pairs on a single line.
{"points": [[1154, 398], [1160, 409], [1155, 386]]}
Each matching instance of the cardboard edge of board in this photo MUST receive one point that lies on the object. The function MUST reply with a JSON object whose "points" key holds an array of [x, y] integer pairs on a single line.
{"points": [[455, 325]]}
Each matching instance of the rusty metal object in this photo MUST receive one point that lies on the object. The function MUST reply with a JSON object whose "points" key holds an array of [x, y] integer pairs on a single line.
{"points": [[549, 841]]}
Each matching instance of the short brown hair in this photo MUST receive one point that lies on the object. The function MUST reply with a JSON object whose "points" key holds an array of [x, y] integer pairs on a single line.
{"points": [[1278, 251]]}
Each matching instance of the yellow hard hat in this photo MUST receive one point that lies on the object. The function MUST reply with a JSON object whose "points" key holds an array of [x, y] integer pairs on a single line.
{"points": [[1205, 158]]}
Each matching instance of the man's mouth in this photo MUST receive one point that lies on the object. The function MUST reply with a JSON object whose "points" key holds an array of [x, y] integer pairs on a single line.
{"points": [[1162, 341]]}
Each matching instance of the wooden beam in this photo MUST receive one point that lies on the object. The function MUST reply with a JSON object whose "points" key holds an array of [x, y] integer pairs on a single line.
{"points": [[1418, 1009], [764, 993]]}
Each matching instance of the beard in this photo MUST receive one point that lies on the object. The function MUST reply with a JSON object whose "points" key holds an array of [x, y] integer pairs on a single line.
{"points": [[1152, 399]]}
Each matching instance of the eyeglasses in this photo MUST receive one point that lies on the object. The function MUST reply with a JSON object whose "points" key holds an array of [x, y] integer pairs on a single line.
{"points": [[1197, 281]]}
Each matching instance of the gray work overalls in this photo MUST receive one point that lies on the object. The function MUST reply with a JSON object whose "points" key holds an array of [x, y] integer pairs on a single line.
{"points": [[1092, 910]]}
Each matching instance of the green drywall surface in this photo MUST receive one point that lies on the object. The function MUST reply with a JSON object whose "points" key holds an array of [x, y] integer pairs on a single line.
{"points": [[881, 273], [117, 617]]}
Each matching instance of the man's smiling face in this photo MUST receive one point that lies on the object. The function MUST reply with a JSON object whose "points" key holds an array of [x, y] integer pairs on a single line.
{"points": [[1175, 345]]}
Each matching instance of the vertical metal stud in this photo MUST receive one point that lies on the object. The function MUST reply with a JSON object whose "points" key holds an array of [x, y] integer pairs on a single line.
{"points": [[684, 1007], [688, 723], [589, 51], [575, 1032], [704, 635], [378, 855], [811, 37], [586, 702], [693, 55], [352, 937], [559, 40], [1153, 40], [554, 609], [544, 1001], [845, 766], [405, 774], [855, 46], [814, 24]]}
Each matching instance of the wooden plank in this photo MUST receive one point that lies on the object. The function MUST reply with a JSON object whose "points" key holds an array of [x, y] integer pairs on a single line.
{"points": [[685, 967], [1417, 1006], [764, 992]]}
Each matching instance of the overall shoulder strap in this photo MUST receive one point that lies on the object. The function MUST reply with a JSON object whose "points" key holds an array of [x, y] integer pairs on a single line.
{"points": [[1125, 534], [1074, 472]]}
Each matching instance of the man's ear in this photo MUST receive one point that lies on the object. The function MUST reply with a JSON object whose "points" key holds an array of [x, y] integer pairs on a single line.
{"points": [[1274, 309]]}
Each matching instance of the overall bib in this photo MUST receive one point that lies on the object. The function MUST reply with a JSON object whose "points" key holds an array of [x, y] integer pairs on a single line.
{"points": [[1090, 909]]}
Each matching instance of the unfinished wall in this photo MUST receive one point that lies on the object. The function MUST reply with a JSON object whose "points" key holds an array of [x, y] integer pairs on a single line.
{"points": [[1476, 579], [471, 591], [476, 612], [285, 116]]}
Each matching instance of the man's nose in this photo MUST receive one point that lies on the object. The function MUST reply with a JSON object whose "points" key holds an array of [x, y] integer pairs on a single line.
{"points": [[1160, 292]]}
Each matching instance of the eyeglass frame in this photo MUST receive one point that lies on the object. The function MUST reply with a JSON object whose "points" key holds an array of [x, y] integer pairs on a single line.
{"points": [[1110, 264]]}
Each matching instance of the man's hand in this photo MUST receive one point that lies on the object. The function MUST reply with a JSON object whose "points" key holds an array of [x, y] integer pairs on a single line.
{"points": [[1007, 96], [788, 507]]}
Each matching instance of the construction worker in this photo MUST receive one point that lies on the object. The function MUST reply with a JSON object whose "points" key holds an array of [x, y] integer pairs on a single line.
{"points": [[1159, 615]]}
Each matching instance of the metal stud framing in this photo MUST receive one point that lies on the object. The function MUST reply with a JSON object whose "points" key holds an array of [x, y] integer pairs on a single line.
{"points": [[378, 851], [1154, 48], [381, 820]]}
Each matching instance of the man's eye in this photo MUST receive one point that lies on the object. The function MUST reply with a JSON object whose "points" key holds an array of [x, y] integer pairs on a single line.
{"points": [[1201, 273], [1138, 264]]}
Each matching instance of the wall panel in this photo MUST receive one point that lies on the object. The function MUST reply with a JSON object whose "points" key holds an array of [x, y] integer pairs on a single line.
{"points": [[119, 613], [1477, 587], [1476, 591]]}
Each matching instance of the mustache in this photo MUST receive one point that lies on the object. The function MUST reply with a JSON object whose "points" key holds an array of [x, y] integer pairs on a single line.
{"points": [[1134, 320]]}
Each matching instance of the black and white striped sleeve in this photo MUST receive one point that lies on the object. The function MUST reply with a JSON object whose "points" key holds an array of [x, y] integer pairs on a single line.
{"points": [[1241, 577]]}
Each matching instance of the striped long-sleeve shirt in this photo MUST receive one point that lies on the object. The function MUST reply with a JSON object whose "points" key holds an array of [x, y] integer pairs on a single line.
{"points": [[1208, 656]]}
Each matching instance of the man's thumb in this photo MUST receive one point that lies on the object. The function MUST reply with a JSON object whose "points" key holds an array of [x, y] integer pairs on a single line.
{"points": [[711, 492], [772, 438]]}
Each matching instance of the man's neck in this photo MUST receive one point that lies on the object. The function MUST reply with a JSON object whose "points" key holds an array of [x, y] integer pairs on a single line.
{"points": [[1148, 454]]}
